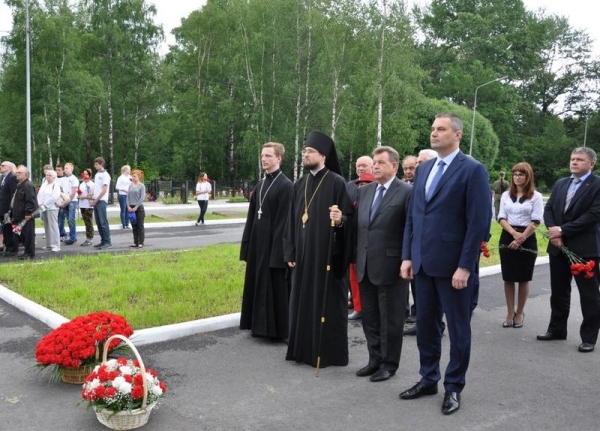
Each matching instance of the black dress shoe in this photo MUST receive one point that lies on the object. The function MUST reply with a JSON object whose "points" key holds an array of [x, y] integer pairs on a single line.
{"points": [[25, 256], [551, 336], [381, 375], [451, 403], [410, 329], [367, 371], [586, 347], [419, 390]]}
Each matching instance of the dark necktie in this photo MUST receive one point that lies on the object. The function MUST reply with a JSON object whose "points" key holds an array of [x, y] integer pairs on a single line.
{"points": [[436, 180], [571, 192], [377, 202]]}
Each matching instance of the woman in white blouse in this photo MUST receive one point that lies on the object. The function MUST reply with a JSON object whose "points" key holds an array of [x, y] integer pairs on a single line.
{"points": [[47, 196], [521, 210], [122, 186], [203, 191]]}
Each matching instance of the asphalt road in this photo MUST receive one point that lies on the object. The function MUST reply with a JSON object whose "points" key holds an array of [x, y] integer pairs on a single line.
{"points": [[227, 380]]}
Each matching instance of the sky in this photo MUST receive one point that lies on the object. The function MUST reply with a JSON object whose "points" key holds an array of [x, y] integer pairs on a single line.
{"points": [[582, 14]]}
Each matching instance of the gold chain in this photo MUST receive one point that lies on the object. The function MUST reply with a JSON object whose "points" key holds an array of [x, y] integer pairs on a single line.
{"points": [[307, 206]]}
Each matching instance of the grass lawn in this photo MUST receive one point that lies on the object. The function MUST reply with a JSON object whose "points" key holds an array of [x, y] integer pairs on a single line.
{"points": [[150, 288]]}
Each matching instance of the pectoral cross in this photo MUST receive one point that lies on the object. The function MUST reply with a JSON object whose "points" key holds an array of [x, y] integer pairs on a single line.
{"points": [[259, 212]]}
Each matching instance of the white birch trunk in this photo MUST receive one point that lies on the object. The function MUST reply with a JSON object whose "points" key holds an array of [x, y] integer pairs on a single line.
{"points": [[100, 141], [297, 155], [231, 142], [136, 136], [110, 130], [380, 77], [307, 83], [48, 140]]}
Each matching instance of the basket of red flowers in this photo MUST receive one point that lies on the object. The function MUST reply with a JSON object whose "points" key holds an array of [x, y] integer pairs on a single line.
{"points": [[73, 349], [122, 391]]}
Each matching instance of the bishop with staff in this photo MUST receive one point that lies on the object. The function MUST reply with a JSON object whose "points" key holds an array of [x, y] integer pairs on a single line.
{"points": [[320, 196]]}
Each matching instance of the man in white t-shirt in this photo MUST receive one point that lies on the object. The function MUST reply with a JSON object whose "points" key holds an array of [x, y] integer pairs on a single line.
{"points": [[70, 184], [99, 202]]}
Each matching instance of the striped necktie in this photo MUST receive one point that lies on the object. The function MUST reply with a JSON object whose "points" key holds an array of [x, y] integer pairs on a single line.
{"points": [[571, 192], [377, 202]]}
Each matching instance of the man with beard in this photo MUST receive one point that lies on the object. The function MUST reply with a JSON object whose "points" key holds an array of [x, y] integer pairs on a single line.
{"points": [[265, 299], [320, 198]]}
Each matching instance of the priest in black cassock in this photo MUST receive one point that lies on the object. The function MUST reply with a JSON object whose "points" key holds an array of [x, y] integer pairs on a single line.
{"points": [[306, 241], [265, 300]]}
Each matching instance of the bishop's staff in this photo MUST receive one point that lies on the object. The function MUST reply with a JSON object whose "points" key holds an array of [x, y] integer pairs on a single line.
{"points": [[328, 271]]}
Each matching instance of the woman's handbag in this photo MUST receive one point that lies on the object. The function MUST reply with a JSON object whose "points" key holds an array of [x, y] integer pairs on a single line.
{"points": [[132, 218]]}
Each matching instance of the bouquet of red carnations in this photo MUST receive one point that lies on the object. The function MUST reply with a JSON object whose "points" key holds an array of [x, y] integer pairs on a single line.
{"points": [[80, 342]]}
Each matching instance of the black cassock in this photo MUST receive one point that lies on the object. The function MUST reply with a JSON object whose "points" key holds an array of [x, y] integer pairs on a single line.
{"points": [[265, 299], [308, 247]]}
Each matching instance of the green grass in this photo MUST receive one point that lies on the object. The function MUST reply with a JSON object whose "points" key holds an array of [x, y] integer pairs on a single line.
{"points": [[148, 289]]}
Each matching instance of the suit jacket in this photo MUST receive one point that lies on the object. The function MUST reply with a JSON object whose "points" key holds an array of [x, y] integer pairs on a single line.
{"points": [[379, 242], [6, 192], [446, 233], [580, 224]]}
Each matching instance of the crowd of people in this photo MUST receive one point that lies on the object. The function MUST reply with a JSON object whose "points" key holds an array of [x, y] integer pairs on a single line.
{"points": [[56, 201], [307, 244]]}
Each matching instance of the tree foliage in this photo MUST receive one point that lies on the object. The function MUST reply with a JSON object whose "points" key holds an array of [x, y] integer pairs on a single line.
{"points": [[245, 72]]}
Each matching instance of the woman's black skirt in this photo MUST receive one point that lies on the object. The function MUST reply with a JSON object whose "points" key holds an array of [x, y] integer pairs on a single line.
{"points": [[517, 265]]}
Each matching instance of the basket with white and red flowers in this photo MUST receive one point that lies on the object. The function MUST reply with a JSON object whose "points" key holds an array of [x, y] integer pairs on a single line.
{"points": [[75, 347], [122, 391]]}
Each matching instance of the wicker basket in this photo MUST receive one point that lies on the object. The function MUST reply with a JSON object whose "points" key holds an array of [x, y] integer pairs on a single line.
{"points": [[76, 376], [126, 420]]}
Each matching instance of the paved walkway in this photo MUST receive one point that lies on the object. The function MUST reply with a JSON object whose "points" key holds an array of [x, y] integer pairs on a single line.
{"points": [[227, 380]]}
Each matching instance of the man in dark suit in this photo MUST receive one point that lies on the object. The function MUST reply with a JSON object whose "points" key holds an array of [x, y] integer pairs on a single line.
{"points": [[572, 215], [8, 185], [380, 223], [447, 219]]}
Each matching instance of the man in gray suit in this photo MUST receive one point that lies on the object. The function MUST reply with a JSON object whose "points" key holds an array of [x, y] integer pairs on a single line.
{"points": [[380, 223]]}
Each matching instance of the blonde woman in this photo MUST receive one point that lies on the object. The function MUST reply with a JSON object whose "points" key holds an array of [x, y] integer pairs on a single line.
{"points": [[203, 191], [122, 186], [47, 196], [135, 204]]}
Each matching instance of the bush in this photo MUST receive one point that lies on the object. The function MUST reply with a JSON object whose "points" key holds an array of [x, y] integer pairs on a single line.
{"points": [[236, 199]]}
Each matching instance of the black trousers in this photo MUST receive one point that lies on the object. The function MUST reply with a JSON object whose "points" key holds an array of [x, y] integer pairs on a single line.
{"points": [[28, 237], [560, 299], [10, 240], [383, 312]]}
